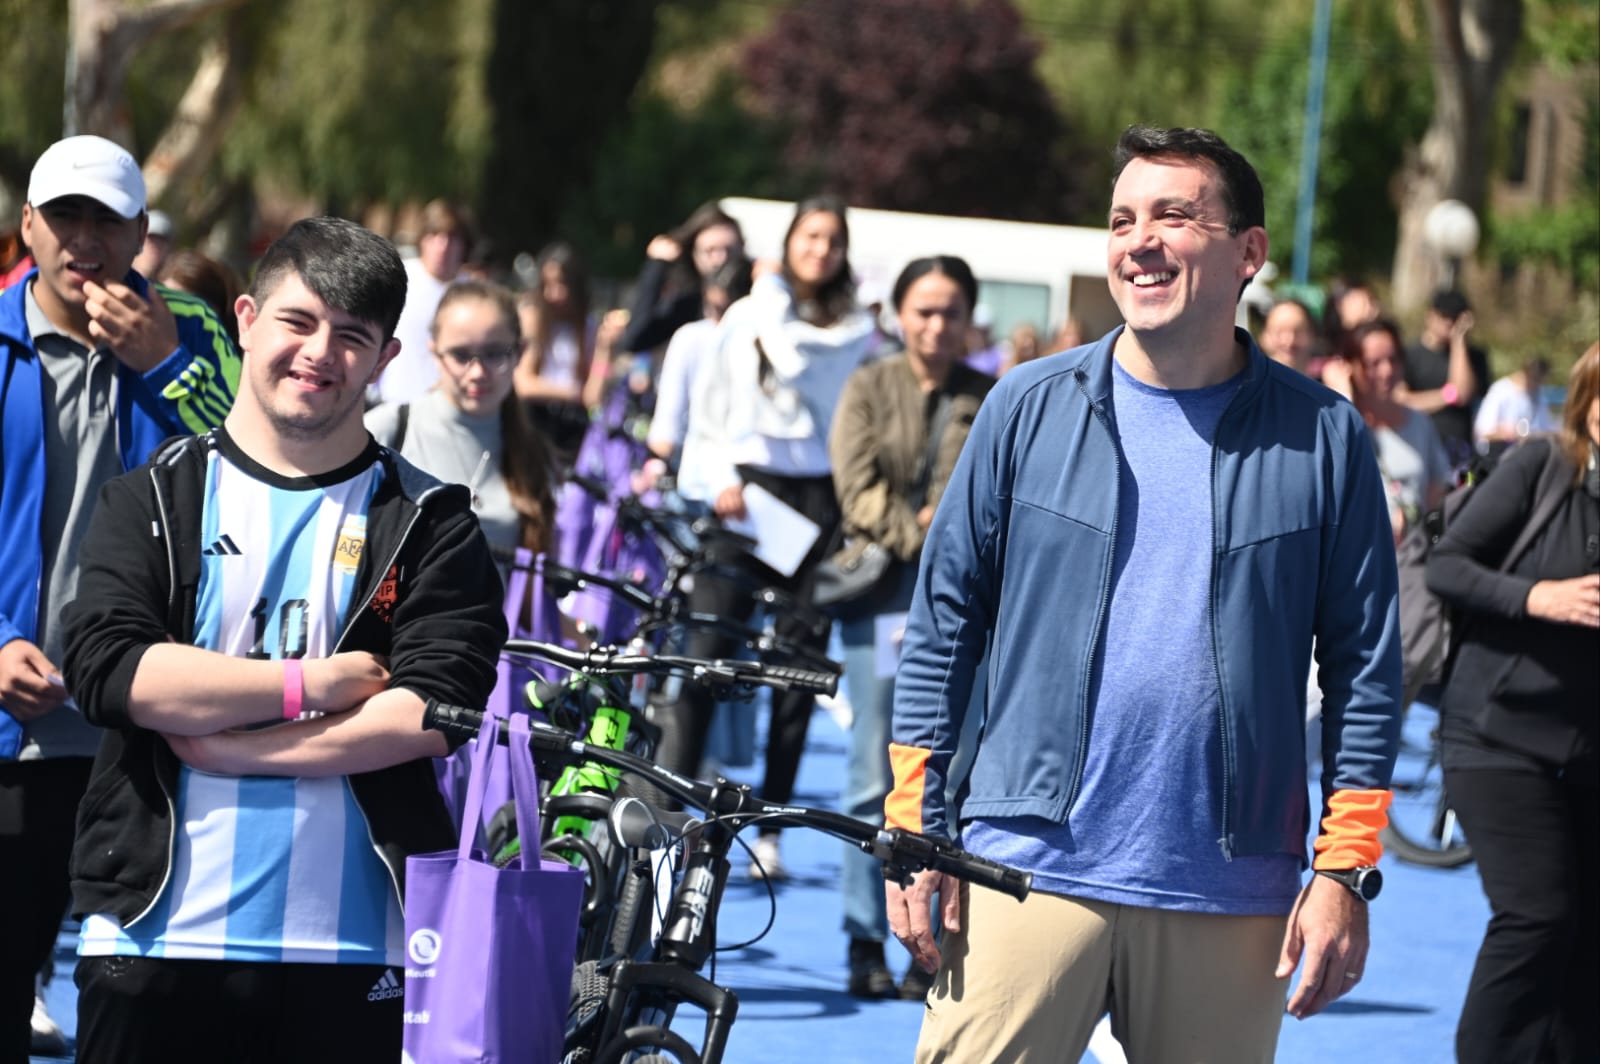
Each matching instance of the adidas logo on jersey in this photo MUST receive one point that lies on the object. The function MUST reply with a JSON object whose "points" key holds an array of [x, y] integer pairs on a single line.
{"points": [[223, 545], [386, 988]]}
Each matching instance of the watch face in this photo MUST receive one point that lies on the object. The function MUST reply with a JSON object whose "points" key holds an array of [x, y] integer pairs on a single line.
{"points": [[1368, 882]]}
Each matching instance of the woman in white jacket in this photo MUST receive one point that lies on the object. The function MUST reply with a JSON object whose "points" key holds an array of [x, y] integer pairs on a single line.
{"points": [[760, 415]]}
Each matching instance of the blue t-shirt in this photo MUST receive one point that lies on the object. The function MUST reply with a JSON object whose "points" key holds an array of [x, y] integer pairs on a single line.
{"points": [[1146, 825]]}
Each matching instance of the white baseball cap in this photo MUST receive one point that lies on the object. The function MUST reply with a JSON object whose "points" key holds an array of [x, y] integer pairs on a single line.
{"points": [[88, 166]]}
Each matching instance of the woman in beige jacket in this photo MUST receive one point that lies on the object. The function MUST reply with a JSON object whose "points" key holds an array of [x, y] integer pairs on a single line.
{"points": [[896, 434]]}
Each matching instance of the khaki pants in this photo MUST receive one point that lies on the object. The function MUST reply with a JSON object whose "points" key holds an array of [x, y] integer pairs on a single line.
{"points": [[1028, 982]]}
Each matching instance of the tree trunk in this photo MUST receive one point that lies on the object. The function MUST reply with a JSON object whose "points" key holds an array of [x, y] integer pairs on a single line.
{"points": [[1472, 41], [103, 38], [192, 138]]}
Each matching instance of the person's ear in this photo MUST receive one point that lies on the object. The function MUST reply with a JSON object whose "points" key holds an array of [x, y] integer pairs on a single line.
{"points": [[1254, 252], [386, 355], [245, 309]]}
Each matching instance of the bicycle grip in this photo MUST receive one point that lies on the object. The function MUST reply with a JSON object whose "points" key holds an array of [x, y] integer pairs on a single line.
{"points": [[789, 678], [984, 873], [458, 722]]}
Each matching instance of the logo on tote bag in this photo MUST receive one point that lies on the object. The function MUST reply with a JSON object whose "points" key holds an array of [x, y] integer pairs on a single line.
{"points": [[423, 949]]}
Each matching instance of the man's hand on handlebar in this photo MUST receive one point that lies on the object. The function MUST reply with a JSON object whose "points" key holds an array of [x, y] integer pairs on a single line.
{"points": [[910, 911]]}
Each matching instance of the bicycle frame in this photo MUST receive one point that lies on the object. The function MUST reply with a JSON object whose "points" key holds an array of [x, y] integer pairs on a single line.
{"points": [[671, 977]]}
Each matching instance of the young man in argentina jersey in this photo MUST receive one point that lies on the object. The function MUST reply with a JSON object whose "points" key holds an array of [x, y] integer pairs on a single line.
{"points": [[263, 612]]}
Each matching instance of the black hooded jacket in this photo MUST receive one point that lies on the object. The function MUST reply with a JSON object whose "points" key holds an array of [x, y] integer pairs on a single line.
{"points": [[429, 600]]}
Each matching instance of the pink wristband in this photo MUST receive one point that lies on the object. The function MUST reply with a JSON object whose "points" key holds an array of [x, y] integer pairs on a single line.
{"points": [[1449, 393], [294, 689]]}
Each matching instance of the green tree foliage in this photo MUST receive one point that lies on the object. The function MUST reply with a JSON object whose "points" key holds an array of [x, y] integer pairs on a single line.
{"points": [[33, 52], [662, 161], [923, 105], [1377, 99], [364, 101], [1155, 62]]}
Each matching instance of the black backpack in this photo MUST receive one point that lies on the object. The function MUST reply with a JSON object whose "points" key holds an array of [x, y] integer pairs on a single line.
{"points": [[1426, 646]]}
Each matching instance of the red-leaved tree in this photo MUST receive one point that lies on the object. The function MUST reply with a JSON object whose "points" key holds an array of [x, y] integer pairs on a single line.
{"points": [[918, 105]]}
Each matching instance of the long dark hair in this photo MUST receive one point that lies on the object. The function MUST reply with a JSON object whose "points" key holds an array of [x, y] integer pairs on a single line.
{"points": [[836, 296], [525, 461], [685, 278], [576, 275]]}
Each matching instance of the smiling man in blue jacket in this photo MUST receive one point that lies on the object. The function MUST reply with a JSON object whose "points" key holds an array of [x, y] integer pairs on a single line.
{"points": [[1143, 537], [96, 369]]}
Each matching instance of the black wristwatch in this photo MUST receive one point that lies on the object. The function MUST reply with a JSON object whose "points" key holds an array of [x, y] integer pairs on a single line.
{"points": [[1365, 882]]}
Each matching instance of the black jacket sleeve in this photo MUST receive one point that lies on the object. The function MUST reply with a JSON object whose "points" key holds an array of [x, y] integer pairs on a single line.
{"points": [[122, 604], [650, 321], [450, 625]]}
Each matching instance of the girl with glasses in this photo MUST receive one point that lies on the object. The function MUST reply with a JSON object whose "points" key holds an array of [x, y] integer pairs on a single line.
{"points": [[470, 429]]}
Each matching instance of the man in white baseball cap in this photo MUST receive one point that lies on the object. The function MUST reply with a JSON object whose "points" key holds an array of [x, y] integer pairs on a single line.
{"points": [[157, 245], [96, 369]]}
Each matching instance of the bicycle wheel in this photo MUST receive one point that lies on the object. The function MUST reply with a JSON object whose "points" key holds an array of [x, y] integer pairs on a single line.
{"points": [[1423, 828]]}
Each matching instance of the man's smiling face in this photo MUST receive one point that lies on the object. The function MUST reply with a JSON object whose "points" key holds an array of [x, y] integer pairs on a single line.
{"points": [[1171, 260], [307, 365]]}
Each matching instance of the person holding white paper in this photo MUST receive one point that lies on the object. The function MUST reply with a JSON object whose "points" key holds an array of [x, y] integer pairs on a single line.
{"points": [[759, 415], [899, 429]]}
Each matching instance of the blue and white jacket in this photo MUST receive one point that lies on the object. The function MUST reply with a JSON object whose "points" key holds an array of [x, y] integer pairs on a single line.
{"points": [[190, 392], [1017, 567]]}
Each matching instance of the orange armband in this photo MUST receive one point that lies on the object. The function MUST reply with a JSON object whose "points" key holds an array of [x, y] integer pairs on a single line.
{"points": [[1350, 831], [903, 807]]}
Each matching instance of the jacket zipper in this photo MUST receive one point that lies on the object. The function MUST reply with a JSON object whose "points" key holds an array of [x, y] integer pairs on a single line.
{"points": [[155, 751], [1225, 842], [381, 572], [172, 583], [1105, 600]]}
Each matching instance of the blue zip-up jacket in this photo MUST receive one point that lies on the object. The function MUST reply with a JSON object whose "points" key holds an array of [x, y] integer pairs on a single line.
{"points": [[190, 392], [1018, 566]]}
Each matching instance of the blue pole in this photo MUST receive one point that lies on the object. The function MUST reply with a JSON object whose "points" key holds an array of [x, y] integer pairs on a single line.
{"points": [[1311, 143]]}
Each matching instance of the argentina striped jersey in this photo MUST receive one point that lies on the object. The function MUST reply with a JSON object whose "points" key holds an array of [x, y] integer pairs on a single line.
{"points": [[271, 868]]}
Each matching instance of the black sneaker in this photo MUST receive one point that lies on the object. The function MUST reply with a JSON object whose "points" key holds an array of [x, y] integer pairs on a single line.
{"points": [[869, 972], [916, 984]]}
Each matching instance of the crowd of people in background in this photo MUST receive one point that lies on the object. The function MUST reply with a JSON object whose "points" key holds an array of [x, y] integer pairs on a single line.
{"points": [[762, 377]]}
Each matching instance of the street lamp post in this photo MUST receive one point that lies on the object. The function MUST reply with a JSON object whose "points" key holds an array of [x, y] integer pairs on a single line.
{"points": [[1452, 229]]}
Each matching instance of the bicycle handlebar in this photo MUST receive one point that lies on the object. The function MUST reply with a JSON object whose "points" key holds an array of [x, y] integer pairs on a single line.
{"points": [[902, 852], [604, 661]]}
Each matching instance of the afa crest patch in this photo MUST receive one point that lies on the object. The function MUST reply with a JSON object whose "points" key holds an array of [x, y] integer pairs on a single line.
{"points": [[352, 541]]}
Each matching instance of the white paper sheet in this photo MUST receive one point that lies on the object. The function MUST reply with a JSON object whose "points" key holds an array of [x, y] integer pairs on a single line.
{"points": [[783, 534]]}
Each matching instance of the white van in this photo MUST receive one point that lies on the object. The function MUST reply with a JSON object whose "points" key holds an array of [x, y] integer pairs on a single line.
{"points": [[1027, 272]]}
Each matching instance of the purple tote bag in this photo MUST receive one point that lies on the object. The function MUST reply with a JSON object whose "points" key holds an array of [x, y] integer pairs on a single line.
{"points": [[489, 951], [453, 771]]}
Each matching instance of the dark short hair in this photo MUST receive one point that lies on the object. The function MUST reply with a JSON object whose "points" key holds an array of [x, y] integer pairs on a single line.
{"points": [[348, 267], [1449, 304], [950, 266], [1241, 187]]}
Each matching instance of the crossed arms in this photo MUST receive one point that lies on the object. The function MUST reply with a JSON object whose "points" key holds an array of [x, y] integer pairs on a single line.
{"points": [[128, 669]]}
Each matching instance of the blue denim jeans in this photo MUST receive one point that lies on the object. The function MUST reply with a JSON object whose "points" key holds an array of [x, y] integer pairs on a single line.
{"points": [[868, 779]]}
